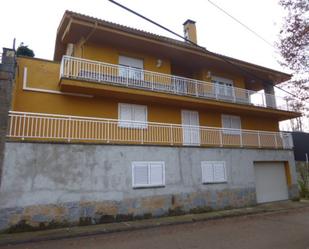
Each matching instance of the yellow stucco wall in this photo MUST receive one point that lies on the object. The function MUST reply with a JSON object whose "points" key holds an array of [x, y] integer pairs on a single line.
{"points": [[109, 54], [44, 74]]}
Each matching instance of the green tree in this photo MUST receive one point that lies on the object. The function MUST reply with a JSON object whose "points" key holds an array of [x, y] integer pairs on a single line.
{"points": [[24, 51]]}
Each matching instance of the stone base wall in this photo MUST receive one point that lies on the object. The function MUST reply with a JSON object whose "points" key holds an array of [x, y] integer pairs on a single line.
{"points": [[86, 213], [46, 185]]}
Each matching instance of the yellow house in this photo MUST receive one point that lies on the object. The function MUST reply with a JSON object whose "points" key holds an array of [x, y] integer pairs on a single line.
{"points": [[126, 122]]}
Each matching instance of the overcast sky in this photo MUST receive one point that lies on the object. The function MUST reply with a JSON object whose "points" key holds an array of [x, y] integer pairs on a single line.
{"points": [[35, 23]]}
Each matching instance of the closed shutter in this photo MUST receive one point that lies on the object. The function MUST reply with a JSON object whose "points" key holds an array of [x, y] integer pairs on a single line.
{"points": [[213, 172], [130, 112], [131, 67], [157, 173], [140, 174], [219, 172], [125, 115], [140, 115], [232, 124], [226, 121], [235, 122], [207, 172], [131, 62], [148, 174]]}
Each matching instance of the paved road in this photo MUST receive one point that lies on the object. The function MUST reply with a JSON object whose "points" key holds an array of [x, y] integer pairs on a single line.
{"points": [[280, 230]]}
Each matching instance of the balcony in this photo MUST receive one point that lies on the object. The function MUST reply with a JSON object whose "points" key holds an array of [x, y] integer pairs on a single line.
{"points": [[63, 128], [116, 75]]}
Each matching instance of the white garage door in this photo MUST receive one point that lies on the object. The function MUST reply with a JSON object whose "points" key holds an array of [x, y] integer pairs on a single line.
{"points": [[270, 181]]}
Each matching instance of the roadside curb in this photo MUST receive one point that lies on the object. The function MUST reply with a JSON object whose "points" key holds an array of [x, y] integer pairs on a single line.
{"points": [[84, 231]]}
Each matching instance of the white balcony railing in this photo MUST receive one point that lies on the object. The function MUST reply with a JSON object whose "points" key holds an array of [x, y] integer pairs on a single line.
{"points": [[50, 127], [104, 73]]}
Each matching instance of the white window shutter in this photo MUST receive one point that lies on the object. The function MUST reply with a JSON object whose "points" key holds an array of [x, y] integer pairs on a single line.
{"points": [[219, 172], [235, 122], [131, 62], [125, 114], [226, 121], [207, 172], [140, 174], [157, 173], [140, 115]]}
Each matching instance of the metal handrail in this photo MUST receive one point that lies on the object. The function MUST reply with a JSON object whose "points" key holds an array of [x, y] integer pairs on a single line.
{"points": [[54, 127], [106, 73]]}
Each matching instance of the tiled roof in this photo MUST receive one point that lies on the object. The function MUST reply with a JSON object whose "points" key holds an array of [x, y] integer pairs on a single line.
{"points": [[135, 31], [172, 41]]}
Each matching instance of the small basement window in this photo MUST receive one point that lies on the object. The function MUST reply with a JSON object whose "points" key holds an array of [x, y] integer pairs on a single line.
{"points": [[213, 172], [148, 174]]}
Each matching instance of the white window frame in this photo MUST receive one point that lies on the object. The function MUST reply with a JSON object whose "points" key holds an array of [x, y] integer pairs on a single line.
{"points": [[230, 130], [203, 163], [132, 123], [149, 163]]}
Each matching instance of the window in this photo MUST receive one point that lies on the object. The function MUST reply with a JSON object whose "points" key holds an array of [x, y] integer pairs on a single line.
{"points": [[232, 124], [131, 68], [213, 172], [148, 174], [223, 86], [132, 116]]}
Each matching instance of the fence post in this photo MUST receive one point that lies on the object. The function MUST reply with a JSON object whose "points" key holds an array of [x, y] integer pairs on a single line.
{"points": [[69, 129], [276, 143], [241, 139], [220, 137], [196, 88], [107, 138], [171, 134], [259, 139], [23, 130]]}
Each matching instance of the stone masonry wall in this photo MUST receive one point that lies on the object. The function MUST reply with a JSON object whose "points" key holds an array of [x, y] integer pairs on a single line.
{"points": [[7, 68]]}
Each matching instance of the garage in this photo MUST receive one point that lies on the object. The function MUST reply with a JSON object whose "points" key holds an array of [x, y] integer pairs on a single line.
{"points": [[270, 181]]}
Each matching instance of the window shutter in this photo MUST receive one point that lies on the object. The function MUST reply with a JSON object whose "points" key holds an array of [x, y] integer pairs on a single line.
{"points": [[207, 172], [235, 122], [131, 62], [125, 114], [157, 173], [140, 114], [140, 174], [219, 172], [226, 121]]}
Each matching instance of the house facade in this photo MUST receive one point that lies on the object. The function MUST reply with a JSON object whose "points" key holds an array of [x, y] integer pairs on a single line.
{"points": [[125, 124]]}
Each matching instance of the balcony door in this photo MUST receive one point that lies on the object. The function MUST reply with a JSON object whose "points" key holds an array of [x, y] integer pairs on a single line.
{"points": [[190, 127], [131, 69], [223, 88]]}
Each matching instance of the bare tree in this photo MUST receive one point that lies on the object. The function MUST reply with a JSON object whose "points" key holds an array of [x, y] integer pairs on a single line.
{"points": [[294, 49]]}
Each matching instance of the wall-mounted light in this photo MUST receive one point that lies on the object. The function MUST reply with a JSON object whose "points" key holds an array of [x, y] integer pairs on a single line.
{"points": [[209, 74], [159, 63]]}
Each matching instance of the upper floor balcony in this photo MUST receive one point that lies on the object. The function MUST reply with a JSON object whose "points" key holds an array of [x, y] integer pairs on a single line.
{"points": [[73, 68]]}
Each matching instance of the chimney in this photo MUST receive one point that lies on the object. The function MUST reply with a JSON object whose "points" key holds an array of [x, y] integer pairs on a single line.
{"points": [[189, 30]]}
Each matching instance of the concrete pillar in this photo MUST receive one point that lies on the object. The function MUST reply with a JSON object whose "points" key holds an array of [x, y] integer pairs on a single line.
{"points": [[7, 75], [270, 95]]}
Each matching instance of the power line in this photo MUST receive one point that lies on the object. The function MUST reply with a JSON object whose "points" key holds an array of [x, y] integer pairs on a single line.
{"points": [[242, 24], [205, 50]]}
